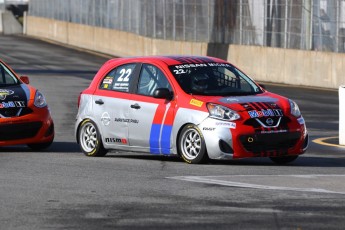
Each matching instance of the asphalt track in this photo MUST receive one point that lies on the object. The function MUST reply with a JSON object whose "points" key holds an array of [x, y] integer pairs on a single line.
{"points": [[60, 188]]}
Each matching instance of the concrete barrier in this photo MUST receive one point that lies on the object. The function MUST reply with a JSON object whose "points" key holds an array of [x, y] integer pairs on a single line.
{"points": [[1, 29], [342, 115], [10, 24], [294, 67]]}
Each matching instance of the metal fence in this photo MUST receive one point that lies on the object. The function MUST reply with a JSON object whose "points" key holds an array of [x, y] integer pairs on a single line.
{"points": [[296, 24]]}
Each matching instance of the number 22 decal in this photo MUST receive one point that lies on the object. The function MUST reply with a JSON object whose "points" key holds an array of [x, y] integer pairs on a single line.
{"points": [[124, 75], [179, 71]]}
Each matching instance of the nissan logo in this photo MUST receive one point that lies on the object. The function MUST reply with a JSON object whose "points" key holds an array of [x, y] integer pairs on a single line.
{"points": [[269, 121]]}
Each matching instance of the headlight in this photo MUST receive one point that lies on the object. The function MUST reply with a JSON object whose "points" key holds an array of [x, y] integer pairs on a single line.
{"points": [[40, 101], [221, 112], [294, 109]]}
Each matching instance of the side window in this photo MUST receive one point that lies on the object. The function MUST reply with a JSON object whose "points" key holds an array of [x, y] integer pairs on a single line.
{"points": [[6, 77], [150, 79], [119, 78]]}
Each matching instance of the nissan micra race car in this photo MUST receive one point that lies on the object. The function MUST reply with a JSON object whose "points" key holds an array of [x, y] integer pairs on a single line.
{"points": [[24, 114], [199, 108]]}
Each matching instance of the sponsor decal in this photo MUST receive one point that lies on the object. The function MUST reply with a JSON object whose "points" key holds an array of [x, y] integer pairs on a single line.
{"points": [[4, 93], [230, 100], [208, 129], [115, 140], [266, 113], [249, 99], [20, 104], [196, 65], [135, 121], [196, 102], [274, 131], [12, 104], [230, 125], [121, 86], [105, 118], [108, 80]]}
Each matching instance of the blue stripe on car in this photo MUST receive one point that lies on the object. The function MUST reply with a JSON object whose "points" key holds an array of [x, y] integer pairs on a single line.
{"points": [[160, 143], [165, 139], [154, 138]]}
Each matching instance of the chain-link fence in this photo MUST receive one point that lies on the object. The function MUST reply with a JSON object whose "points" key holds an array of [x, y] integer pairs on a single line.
{"points": [[296, 24]]}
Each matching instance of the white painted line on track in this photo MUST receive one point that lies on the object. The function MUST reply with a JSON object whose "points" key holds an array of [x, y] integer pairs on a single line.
{"points": [[319, 183]]}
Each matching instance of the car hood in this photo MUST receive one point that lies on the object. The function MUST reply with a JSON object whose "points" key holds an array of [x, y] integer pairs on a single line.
{"points": [[265, 100], [14, 96]]}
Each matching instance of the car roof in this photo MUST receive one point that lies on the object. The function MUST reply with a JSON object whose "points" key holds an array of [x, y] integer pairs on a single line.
{"points": [[169, 60]]}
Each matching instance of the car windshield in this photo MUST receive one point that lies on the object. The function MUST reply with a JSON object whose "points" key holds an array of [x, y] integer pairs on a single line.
{"points": [[213, 79], [7, 78]]}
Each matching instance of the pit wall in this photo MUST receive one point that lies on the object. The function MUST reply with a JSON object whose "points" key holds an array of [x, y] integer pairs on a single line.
{"points": [[267, 64]]}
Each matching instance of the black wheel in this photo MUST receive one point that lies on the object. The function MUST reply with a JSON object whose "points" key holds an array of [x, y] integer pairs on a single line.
{"points": [[90, 140], [191, 145], [283, 160], [40, 146]]}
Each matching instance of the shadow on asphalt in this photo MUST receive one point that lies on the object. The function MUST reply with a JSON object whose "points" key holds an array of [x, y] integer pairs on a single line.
{"points": [[302, 161], [60, 147]]}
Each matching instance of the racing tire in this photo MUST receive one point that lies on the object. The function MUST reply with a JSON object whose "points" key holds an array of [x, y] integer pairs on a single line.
{"points": [[283, 160], [39, 146], [89, 139], [191, 145]]}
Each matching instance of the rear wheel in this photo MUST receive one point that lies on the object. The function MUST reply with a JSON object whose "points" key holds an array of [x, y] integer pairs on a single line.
{"points": [[283, 160], [191, 145], [90, 140]]}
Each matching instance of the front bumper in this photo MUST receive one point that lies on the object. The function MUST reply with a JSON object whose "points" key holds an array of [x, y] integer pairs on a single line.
{"points": [[229, 140], [37, 127]]}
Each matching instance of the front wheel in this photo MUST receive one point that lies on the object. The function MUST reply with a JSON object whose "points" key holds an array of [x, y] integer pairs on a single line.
{"points": [[191, 145], [90, 140], [283, 160]]}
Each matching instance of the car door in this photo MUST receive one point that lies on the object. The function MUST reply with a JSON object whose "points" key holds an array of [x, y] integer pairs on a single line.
{"points": [[151, 118], [111, 104]]}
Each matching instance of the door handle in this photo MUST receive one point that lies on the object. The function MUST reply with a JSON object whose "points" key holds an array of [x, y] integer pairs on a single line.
{"points": [[99, 102], [135, 106]]}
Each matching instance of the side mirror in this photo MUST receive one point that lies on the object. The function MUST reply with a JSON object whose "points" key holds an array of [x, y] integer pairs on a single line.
{"points": [[163, 93], [25, 79]]}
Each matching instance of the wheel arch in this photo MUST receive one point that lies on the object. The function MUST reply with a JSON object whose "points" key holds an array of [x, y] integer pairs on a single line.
{"points": [[86, 119], [179, 133], [178, 136]]}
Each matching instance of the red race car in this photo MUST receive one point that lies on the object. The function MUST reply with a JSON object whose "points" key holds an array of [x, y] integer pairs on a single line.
{"points": [[194, 107], [24, 114]]}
